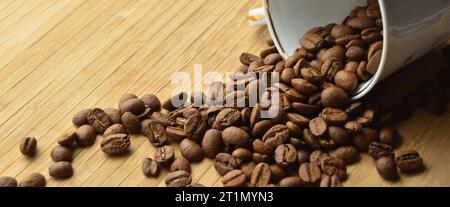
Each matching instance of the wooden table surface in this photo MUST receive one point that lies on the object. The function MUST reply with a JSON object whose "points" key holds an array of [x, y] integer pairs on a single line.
{"points": [[60, 56]]}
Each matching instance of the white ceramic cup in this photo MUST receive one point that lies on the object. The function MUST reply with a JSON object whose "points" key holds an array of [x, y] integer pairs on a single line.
{"points": [[412, 28]]}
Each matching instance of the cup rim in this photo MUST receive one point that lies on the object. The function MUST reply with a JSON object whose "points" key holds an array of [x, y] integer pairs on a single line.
{"points": [[366, 86]]}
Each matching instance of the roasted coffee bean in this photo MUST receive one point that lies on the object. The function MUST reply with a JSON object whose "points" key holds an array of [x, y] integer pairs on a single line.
{"points": [[353, 127], [334, 166], [287, 75], [354, 109], [28, 146], [377, 150], [330, 181], [131, 122], [261, 175], [68, 139], [61, 170], [262, 148], [8, 182], [310, 139], [242, 155], [387, 168], [311, 74], [272, 59], [277, 173], [348, 154], [346, 80], [339, 135], [344, 40], [146, 114], [409, 161], [317, 156], [278, 134], [180, 163], [260, 128], [164, 119], [291, 61], [341, 30], [176, 101], [362, 22], [334, 97], [235, 137], [269, 51], [247, 58], [302, 156], [155, 132], [81, 117], [278, 114], [371, 35], [126, 97], [262, 158], [351, 67], [35, 180], [304, 86], [312, 42], [164, 155], [334, 116], [115, 144], [336, 53], [212, 143], [195, 127], [285, 155], [330, 68], [298, 119], [114, 115], [226, 118], [291, 182], [224, 162], [309, 173], [99, 120], [374, 47], [374, 63], [152, 102], [362, 72], [150, 167], [115, 129], [60, 153], [255, 115], [245, 116], [191, 150], [318, 126], [356, 42], [294, 129], [178, 178], [389, 135], [308, 110], [86, 135], [234, 178], [327, 143]]}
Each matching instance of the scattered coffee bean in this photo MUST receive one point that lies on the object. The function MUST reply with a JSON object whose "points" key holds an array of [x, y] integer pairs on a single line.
{"points": [[68, 139], [155, 132], [165, 155], [131, 123], [334, 166], [8, 182], [28, 146], [152, 102], [178, 178], [234, 178], [180, 163], [409, 161], [81, 117], [261, 175], [33, 180], [348, 154], [242, 155], [61, 170], [114, 115], [285, 155], [234, 137], [86, 135], [330, 181], [115, 129], [191, 150], [150, 167], [291, 182], [309, 174], [115, 144], [99, 120], [224, 163], [387, 168], [377, 150], [60, 153], [334, 97]]}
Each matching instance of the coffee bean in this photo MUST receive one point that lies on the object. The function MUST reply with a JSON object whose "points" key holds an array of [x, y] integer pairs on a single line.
{"points": [[372, 34], [176, 101], [285, 155], [374, 47], [260, 147], [298, 119], [8, 182], [114, 115], [387, 168], [261, 127], [389, 135], [409, 161], [262, 158], [191, 150], [377, 150], [131, 123], [28, 146], [272, 59], [339, 135], [86, 135], [99, 120], [224, 162], [234, 178], [346, 80], [310, 139], [155, 132], [291, 61], [234, 137], [115, 144], [277, 173], [212, 143], [81, 117], [247, 58], [348, 154], [312, 42], [362, 72], [294, 129], [311, 74], [68, 139], [178, 178], [261, 175], [164, 155], [270, 42], [152, 102], [330, 181], [278, 134], [150, 167], [374, 63], [351, 67], [115, 129], [353, 127], [265, 53], [304, 86], [175, 133], [226, 118], [361, 22], [242, 155], [354, 109], [291, 182], [36, 180], [334, 166], [60, 153], [180, 163], [336, 53], [61, 170], [309, 174], [356, 43], [318, 126], [287, 75], [126, 97], [334, 97], [195, 127], [331, 67], [341, 30]]}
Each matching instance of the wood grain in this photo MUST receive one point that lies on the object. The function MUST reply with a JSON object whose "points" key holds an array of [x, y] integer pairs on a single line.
{"points": [[61, 56]]}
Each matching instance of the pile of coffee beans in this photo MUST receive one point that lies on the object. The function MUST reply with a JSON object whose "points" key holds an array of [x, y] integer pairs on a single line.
{"points": [[313, 134]]}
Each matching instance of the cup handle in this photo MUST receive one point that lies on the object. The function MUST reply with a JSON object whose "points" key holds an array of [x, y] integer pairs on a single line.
{"points": [[257, 17]]}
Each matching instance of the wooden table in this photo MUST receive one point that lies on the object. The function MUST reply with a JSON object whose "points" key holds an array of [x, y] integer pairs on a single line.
{"points": [[60, 56]]}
